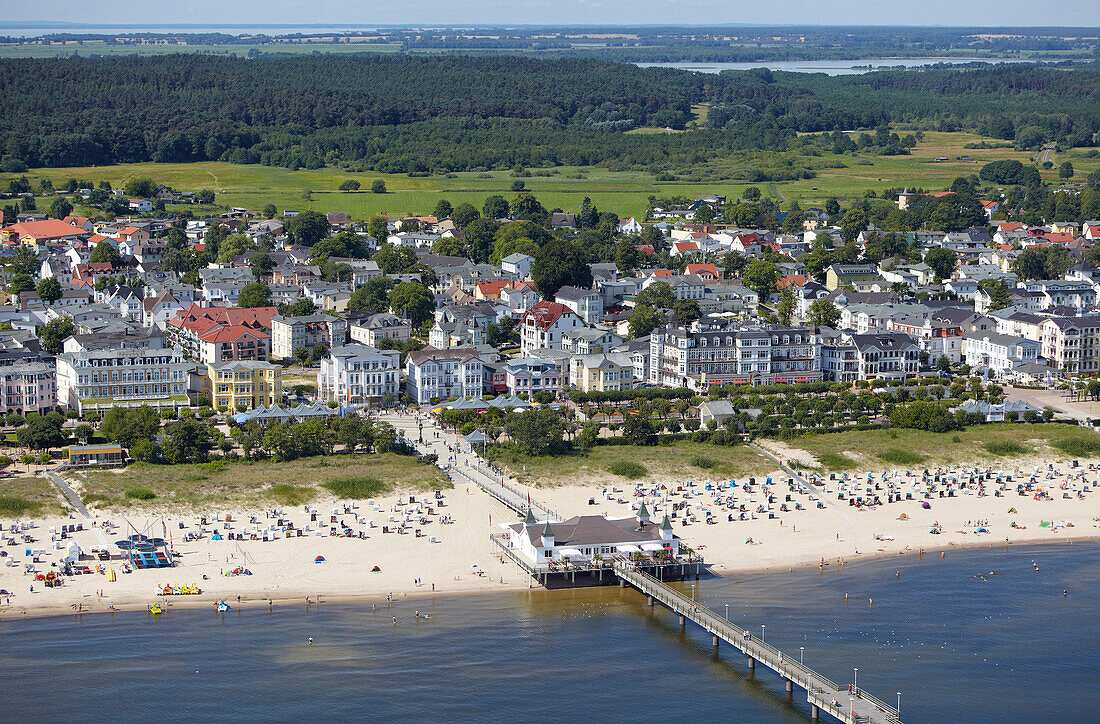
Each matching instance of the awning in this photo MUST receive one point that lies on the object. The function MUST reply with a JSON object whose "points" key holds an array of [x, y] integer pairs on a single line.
{"points": [[629, 549], [572, 553], [653, 546]]}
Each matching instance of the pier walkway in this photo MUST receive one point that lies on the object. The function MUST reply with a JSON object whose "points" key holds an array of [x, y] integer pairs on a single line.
{"points": [[855, 708]]}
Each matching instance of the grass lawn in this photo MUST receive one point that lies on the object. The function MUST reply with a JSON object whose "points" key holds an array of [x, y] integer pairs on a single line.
{"points": [[683, 460], [625, 193], [879, 449], [245, 483], [29, 490]]}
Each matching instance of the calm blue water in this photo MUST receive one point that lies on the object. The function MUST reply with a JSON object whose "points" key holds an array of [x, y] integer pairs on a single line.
{"points": [[958, 648], [828, 67]]}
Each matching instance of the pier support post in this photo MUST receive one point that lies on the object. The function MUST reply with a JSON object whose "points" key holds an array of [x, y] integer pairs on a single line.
{"points": [[815, 713], [683, 620], [651, 600], [790, 686], [622, 583], [752, 664], [714, 641]]}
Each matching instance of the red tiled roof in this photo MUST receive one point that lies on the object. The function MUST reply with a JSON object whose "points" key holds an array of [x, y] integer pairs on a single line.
{"points": [[661, 273], [791, 280], [700, 268], [492, 289], [686, 246], [45, 229], [545, 313], [231, 333], [1059, 238]]}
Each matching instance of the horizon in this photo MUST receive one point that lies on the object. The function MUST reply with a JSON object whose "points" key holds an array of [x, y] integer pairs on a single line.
{"points": [[567, 13], [588, 25]]}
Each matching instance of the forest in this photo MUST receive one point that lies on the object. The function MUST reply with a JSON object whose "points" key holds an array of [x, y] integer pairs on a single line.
{"points": [[432, 114]]}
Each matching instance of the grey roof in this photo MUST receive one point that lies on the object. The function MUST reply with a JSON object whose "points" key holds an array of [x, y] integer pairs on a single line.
{"points": [[588, 530]]}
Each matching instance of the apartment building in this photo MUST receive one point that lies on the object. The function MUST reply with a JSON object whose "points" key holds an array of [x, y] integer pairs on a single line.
{"points": [[376, 327], [716, 352], [441, 374], [1072, 344], [238, 386], [999, 353], [530, 375], [357, 373], [886, 356], [101, 371], [543, 325], [586, 303], [29, 386], [611, 372], [291, 333]]}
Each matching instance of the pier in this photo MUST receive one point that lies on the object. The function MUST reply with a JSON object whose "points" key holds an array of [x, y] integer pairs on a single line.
{"points": [[858, 707]]}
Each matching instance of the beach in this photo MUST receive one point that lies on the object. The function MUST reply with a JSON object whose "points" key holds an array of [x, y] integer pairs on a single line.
{"points": [[452, 552]]}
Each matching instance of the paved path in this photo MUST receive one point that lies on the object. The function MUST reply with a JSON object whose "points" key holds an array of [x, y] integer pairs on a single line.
{"points": [[802, 482], [69, 493], [466, 467]]}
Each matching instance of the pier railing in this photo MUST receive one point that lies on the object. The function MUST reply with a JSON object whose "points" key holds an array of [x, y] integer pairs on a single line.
{"points": [[512, 497], [820, 690]]}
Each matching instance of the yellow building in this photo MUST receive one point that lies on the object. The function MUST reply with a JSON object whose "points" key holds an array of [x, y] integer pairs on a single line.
{"points": [[243, 385], [601, 372]]}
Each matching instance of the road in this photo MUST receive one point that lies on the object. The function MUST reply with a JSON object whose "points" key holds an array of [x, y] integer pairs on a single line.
{"points": [[1046, 154], [69, 493]]}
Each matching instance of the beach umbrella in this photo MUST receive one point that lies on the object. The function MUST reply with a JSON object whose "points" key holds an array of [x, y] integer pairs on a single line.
{"points": [[319, 559]]}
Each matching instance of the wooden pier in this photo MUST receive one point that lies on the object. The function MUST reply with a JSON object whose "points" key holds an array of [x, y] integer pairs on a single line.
{"points": [[858, 707]]}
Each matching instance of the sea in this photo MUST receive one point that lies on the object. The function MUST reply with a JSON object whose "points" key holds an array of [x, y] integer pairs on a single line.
{"points": [[830, 67], [984, 635]]}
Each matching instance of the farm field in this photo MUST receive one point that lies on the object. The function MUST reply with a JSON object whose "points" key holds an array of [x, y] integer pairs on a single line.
{"points": [[625, 193]]}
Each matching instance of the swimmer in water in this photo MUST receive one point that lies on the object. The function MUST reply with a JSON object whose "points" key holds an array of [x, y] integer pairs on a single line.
{"points": [[310, 640]]}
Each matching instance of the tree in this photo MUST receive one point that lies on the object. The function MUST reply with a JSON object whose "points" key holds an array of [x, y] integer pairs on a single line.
{"points": [[308, 227], [535, 432], [639, 430], [853, 222], [1065, 170], [1000, 294], [644, 320], [752, 193], [269, 211], [187, 441], [394, 259], [83, 433], [832, 207], [53, 333], [761, 276], [495, 207], [378, 228], [104, 251], [206, 197], [261, 264], [942, 261], [704, 214], [412, 300], [127, 425], [785, 309], [20, 283], [463, 214], [443, 209], [378, 186], [49, 290], [559, 264], [319, 350], [25, 261], [350, 185], [627, 256], [41, 432], [823, 313], [140, 187], [60, 208], [254, 295], [372, 296], [526, 206]]}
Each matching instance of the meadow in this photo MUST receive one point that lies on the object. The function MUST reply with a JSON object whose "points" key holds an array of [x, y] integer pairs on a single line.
{"points": [[625, 193]]}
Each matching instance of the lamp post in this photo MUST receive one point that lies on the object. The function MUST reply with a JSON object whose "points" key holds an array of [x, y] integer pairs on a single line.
{"points": [[727, 612], [693, 593], [851, 707], [855, 678], [899, 702], [801, 652], [761, 633]]}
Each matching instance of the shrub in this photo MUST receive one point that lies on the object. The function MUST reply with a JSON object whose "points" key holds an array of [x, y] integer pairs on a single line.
{"points": [[1080, 446], [291, 494], [1007, 447], [897, 456], [836, 461], [355, 488], [627, 469], [140, 494], [702, 461], [14, 505]]}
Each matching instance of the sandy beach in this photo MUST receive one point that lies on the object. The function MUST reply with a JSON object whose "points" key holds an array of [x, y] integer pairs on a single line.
{"points": [[463, 560]]}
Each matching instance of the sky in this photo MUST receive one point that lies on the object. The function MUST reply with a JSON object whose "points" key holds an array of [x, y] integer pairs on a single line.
{"points": [[988, 13]]}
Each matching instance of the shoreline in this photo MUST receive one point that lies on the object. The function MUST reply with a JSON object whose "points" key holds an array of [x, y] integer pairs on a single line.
{"points": [[194, 603]]}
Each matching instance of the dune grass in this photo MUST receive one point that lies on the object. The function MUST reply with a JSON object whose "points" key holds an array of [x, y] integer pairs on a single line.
{"points": [[836, 461], [897, 456], [1007, 447], [357, 488], [627, 469]]}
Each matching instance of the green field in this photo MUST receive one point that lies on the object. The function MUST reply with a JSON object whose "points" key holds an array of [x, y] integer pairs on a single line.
{"points": [[244, 483], [625, 193], [873, 449], [676, 462]]}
